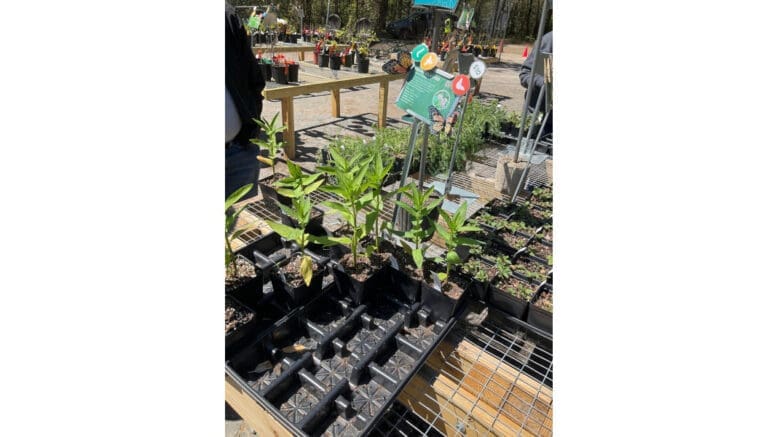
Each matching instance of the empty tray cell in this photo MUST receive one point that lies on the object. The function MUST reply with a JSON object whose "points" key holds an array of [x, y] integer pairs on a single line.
{"points": [[420, 336], [332, 370], [367, 401], [399, 365], [363, 342], [341, 427], [325, 318], [266, 377], [297, 403], [386, 313]]}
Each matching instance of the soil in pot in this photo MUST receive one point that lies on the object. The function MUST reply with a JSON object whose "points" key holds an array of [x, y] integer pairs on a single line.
{"points": [[362, 280], [480, 275], [512, 295], [235, 316], [239, 273], [445, 300], [540, 250], [513, 241], [406, 278], [535, 267], [499, 207], [291, 271], [545, 301]]}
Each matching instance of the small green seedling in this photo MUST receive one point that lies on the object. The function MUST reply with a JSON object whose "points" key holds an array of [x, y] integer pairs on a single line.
{"points": [[298, 184], [231, 218], [419, 208], [299, 211], [453, 239], [271, 143]]}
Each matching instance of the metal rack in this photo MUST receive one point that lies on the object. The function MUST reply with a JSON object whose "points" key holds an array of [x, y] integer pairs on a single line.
{"points": [[467, 398]]}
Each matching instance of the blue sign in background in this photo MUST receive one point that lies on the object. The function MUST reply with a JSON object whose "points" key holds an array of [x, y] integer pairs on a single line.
{"points": [[447, 4]]}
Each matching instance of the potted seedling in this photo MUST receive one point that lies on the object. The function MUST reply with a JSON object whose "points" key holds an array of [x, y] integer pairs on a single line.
{"points": [[296, 185], [272, 130], [335, 58], [540, 251], [301, 275], [480, 274], [363, 60], [357, 270], [239, 321], [240, 272], [540, 312], [510, 236], [412, 239], [508, 291], [444, 294]]}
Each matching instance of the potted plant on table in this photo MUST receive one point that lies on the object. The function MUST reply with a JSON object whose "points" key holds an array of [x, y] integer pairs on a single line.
{"points": [[301, 275], [272, 130], [240, 272], [445, 294], [509, 292], [335, 57], [412, 239], [363, 60], [359, 269], [540, 312]]}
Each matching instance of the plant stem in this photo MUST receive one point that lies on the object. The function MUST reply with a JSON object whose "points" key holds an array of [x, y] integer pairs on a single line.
{"points": [[232, 259], [353, 238]]}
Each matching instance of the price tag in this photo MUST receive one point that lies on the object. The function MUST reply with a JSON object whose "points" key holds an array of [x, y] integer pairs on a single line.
{"points": [[477, 69]]}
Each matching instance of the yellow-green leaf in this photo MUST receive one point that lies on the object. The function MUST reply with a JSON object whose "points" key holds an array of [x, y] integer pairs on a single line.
{"points": [[306, 269]]}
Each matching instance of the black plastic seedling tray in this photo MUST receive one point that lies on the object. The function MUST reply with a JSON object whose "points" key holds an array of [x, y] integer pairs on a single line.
{"points": [[333, 368]]}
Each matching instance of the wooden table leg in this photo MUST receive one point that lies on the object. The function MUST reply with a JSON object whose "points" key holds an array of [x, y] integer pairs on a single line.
{"points": [[382, 102], [287, 115], [301, 55], [336, 103]]}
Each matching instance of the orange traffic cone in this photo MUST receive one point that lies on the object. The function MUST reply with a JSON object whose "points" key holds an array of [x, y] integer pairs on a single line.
{"points": [[526, 51]]}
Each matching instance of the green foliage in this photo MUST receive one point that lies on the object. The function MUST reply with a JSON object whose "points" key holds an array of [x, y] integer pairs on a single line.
{"points": [[353, 187], [474, 267], [453, 238], [231, 219], [375, 176], [298, 184], [419, 208], [520, 289], [271, 144], [504, 267], [300, 212]]}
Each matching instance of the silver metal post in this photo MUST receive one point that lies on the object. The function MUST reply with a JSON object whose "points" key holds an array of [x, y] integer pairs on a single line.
{"points": [[422, 169], [532, 145], [406, 166], [449, 181], [537, 44]]}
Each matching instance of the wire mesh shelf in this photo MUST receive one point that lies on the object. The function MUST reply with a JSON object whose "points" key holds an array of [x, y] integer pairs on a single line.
{"points": [[495, 378]]}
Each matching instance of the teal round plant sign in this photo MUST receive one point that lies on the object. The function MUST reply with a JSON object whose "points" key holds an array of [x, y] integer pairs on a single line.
{"points": [[419, 52]]}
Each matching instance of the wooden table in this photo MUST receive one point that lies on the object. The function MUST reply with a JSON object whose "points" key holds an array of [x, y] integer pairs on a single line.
{"points": [[285, 48], [313, 80]]}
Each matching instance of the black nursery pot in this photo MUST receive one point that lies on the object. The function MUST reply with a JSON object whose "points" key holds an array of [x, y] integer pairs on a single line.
{"points": [[293, 72], [335, 62], [246, 330], [266, 70], [349, 286], [302, 294], [405, 284], [364, 65], [279, 74], [323, 60], [441, 305], [246, 287], [349, 60], [539, 317], [508, 303], [293, 38]]}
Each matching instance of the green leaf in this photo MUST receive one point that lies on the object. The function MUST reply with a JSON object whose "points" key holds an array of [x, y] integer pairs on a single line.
{"points": [[464, 241], [237, 195], [288, 193], [313, 187], [329, 241], [443, 232], [469, 228], [452, 258], [418, 257], [306, 269], [284, 231], [443, 276]]}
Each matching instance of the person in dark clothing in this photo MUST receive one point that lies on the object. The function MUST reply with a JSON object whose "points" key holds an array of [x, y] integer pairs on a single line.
{"points": [[243, 103], [546, 46]]}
